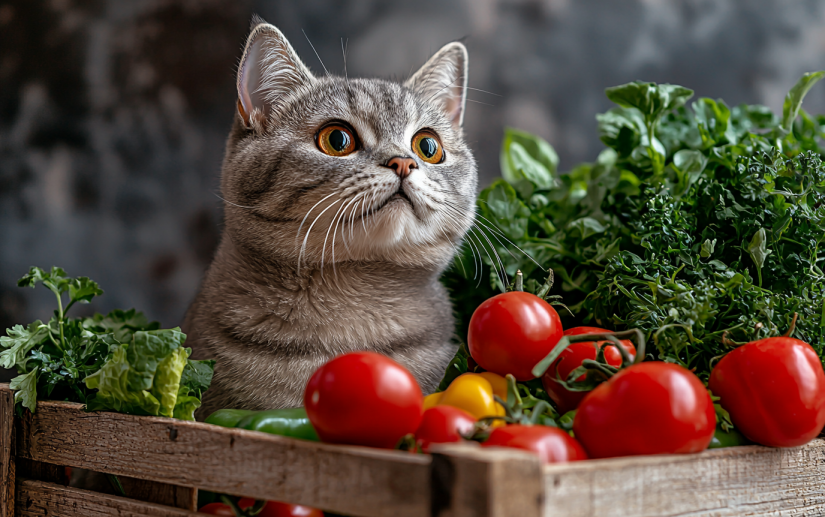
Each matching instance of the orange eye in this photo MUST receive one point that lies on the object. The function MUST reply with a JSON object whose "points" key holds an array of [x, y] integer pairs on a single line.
{"points": [[336, 140], [427, 146]]}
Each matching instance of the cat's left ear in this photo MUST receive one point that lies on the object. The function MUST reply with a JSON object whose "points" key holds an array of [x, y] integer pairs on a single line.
{"points": [[270, 71], [444, 80]]}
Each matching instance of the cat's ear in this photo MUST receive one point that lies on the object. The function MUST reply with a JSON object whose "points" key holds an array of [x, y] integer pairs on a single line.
{"points": [[444, 80], [270, 71]]}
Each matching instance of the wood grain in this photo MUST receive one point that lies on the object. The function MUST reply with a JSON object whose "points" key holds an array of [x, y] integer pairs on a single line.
{"points": [[348, 480], [750, 480], [7, 466], [43, 499], [469, 481]]}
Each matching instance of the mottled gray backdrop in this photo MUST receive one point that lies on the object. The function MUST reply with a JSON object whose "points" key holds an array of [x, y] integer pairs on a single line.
{"points": [[113, 113]]}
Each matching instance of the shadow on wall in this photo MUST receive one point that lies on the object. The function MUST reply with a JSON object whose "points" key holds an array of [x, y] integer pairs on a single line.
{"points": [[113, 114]]}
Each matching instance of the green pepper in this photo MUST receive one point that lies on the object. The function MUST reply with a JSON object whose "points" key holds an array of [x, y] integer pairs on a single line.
{"points": [[228, 417], [292, 422], [730, 438]]}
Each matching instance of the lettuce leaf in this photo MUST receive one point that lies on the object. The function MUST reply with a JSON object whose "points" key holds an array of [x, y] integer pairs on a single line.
{"points": [[113, 384], [166, 384]]}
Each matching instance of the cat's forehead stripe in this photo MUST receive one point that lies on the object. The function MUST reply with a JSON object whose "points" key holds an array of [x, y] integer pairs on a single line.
{"points": [[382, 108]]}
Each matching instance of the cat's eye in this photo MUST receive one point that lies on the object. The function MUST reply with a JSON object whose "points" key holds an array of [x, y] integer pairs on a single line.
{"points": [[426, 145], [336, 140]]}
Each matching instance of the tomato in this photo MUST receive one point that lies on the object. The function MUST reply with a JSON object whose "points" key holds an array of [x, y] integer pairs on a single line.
{"points": [[277, 509], [443, 424], [774, 390], [550, 443], [512, 332], [647, 408], [363, 398], [572, 358], [217, 509]]}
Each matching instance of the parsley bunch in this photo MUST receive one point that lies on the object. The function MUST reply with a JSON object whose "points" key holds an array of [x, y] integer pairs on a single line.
{"points": [[703, 226], [119, 361]]}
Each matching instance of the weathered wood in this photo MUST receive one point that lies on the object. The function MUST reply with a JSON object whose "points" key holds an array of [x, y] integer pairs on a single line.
{"points": [[749, 480], [7, 465], [42, 499], [468, 481], [348, 480]]}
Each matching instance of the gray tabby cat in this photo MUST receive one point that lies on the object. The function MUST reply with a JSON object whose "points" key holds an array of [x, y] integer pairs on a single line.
{"points": [[346, 199]]}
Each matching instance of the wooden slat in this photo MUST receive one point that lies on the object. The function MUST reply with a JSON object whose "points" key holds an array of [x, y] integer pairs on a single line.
{"points": [[7, 466], [469, 481], [750, 480], [43, 499], [349, 480]]}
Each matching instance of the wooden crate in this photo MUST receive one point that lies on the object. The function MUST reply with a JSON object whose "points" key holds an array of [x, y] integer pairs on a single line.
{"points": [[162, 462]]}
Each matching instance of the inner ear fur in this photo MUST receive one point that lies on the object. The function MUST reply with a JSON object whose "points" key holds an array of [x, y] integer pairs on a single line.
{"points": [[443, 79], [270, 71]]}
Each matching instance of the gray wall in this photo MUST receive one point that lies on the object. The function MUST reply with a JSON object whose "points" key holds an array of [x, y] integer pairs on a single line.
{"points": [[113, 113]]}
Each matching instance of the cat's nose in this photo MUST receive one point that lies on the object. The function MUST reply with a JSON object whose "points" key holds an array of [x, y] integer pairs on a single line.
{"points": [[402, 166]]}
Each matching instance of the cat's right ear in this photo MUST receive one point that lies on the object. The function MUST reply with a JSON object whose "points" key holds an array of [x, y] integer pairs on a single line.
{"points": [[270, 71]]}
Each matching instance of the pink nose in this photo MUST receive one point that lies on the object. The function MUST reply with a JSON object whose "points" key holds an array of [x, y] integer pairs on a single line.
{"points": [[402, 166]]}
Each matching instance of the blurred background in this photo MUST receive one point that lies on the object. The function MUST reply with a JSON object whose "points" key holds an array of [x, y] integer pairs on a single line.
{"points": [[113, 113]]}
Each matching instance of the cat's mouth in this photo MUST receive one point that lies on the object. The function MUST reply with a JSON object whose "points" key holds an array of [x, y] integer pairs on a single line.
{"points": [[400, 195]]}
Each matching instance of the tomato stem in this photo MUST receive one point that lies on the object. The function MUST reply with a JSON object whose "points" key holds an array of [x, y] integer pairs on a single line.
{"points": [[518, 282], [548, 284], [613, 337], [792, 327]]}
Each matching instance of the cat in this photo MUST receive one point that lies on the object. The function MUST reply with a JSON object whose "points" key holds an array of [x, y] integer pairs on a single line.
{"points": [[345, 201]]}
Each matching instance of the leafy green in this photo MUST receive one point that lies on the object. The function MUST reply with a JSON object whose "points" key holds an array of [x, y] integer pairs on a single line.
{"points": [[701, 224], [197, 375], [114, 391], [120, 361]]}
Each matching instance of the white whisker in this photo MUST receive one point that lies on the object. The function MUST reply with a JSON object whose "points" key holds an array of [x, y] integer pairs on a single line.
{"points": [[303, 246]]}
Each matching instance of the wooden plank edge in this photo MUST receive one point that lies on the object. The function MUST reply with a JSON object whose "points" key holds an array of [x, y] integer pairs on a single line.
{"points": [[7, 452], [175, 427], [663, 459], [43, 499]]}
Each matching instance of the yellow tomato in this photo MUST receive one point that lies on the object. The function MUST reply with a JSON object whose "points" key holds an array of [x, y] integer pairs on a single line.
{"points": [[472, 393]]}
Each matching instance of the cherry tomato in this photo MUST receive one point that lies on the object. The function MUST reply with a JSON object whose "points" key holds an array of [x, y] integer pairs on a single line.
{"points": [[774, 390], [277, 509], [550, 443], [217, 509], [363, 398], [443, 424], [572, 358], [512, 332], [647, 408]]}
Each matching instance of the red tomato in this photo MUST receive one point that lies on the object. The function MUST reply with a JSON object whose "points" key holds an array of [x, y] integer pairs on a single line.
{"points": [[277, 509], [572, 358], [550, 443], [774, 390], [443, 424], [217, 509], [363, 398], [512, 332], [647, 408]]}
